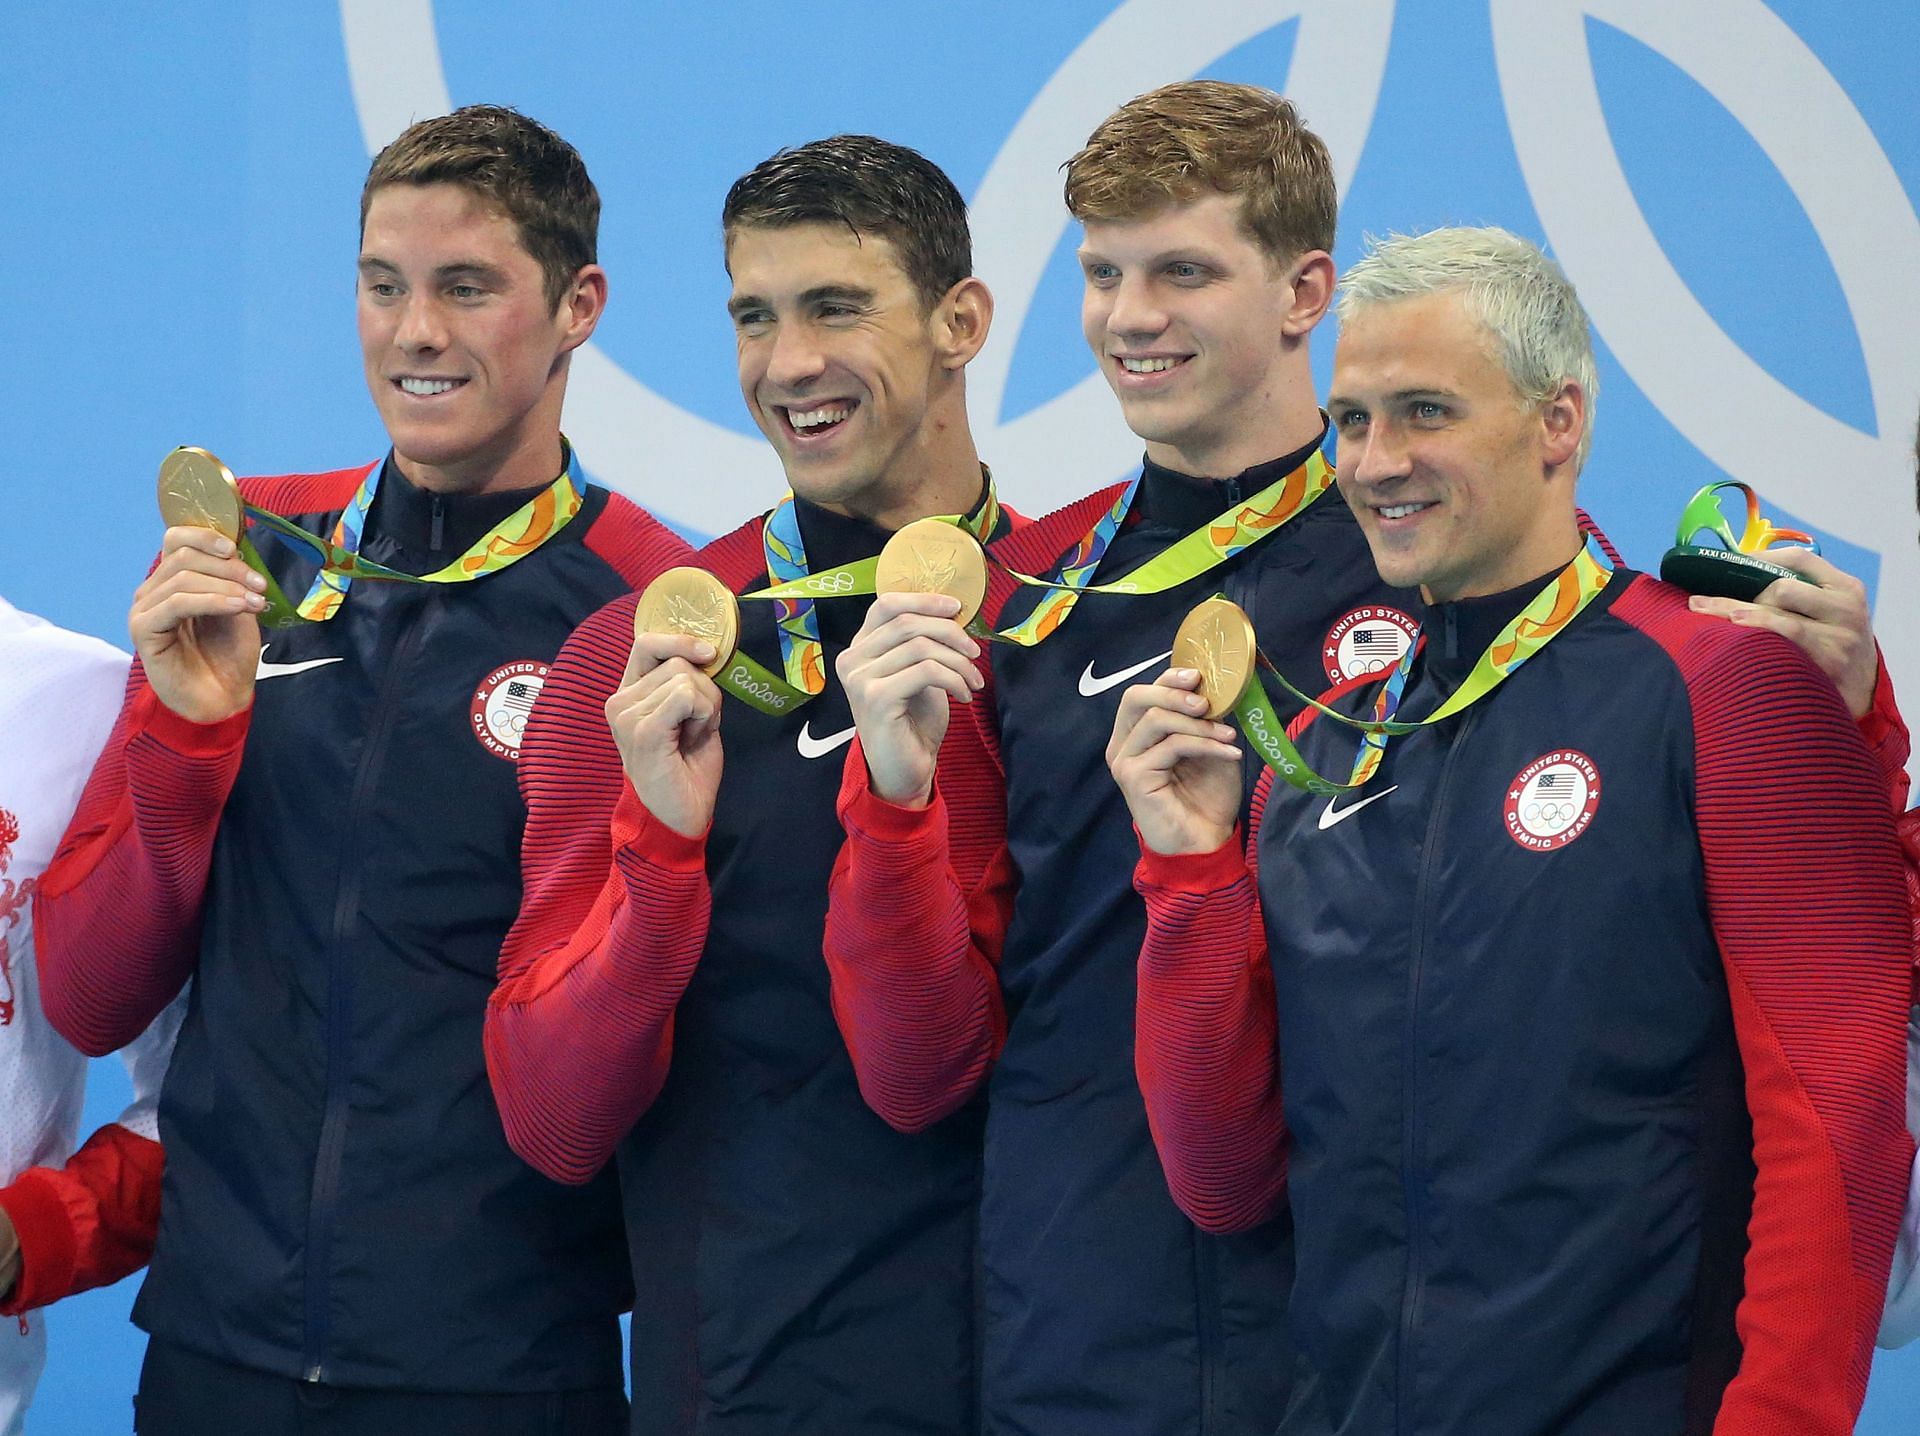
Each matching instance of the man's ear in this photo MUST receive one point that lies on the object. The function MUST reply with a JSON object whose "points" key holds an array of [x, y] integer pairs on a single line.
{"points": [[1311, 276], [582, 305], [962, 318], [1563, 420]]}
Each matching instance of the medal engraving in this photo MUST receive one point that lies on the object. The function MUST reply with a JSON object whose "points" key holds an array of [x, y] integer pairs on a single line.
{"points": [[1216, 640], [693, 602], [930, 556], [196, 490]]}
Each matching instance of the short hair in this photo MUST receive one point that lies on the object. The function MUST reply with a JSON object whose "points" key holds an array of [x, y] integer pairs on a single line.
{"points": [[1176, 143], [872, 186], [1520, 297], [516, 165]]}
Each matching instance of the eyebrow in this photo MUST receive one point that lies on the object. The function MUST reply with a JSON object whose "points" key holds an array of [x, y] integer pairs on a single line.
{"points": [[844, 293], [459, 269], [1181, 253], [1398, 396]]}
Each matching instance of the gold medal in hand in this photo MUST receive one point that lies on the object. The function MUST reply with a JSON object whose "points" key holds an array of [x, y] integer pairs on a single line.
{"points": [[931, 556], [1216, 638], [693, 602], [197, 491]]}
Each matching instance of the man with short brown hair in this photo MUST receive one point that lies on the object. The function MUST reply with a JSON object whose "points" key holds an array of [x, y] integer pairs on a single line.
{"points": [[1208, 212], [320, 824]]}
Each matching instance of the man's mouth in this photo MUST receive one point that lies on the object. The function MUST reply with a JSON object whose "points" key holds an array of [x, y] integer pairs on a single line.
{"points": [[427, 388], [1149, 364], [1401, 511], [821, 419]]}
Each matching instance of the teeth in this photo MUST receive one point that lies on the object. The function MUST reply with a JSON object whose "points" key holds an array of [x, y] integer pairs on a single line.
{"points": [[1147, 366], [426, 386], [814, 418], [1400, 511]]}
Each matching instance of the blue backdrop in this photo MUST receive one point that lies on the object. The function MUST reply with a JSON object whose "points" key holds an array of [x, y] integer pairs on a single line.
{"points": [[1730, 184]]}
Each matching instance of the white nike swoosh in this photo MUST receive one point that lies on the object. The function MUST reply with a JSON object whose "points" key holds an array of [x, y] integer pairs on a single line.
{"points": [[1091, 687], [812, 747], [1329, 817], [281, 670]]}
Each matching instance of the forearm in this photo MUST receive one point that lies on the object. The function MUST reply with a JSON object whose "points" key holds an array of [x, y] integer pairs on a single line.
{"points": [[912, 956], [116, 915], [1206, 1049], [85, 1224], [579, 1030]]}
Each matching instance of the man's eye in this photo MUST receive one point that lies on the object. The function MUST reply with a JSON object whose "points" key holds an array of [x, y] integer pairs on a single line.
{"points": [[465, 291], [1429, 411], [752, 321], [1352, 419], [1102, 273], [382, 289], [1184, 269]]}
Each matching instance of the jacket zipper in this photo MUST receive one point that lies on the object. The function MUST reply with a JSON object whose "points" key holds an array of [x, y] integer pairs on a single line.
{"points": [[325, 1192], [1412, 1149]]}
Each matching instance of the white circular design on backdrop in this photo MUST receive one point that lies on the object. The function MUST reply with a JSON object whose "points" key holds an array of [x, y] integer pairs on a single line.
{"points": [[1056, 452], [1854, 485]]}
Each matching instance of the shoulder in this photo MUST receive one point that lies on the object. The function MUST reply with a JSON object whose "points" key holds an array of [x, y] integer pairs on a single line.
{"points": [[1034, 543], [736, 558], [1745, 684], [632, 542], [40, 656], [287, 494]]}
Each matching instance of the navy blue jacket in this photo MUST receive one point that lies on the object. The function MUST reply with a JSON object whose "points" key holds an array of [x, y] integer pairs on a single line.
{"points": [[340, 1202], [1107, 1312], [1589, 1018]]}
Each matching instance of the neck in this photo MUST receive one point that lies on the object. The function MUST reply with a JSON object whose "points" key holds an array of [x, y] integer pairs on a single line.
{"points": [[939, 473], [1284, 417], [1545, 554]]}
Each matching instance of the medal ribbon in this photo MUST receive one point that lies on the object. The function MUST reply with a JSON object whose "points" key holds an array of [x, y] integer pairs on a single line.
{"points": [[506, 543], [1213, 543], [1545, 617], [792, 589], [1199, 552]]}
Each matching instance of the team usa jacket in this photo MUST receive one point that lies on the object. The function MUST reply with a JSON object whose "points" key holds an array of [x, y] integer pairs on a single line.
{"points": [[1574, 1043], [336, 868], [1106, 1312], [1886, 733], [798, 1265]]}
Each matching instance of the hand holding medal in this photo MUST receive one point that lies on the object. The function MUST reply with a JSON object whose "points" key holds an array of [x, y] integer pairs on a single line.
{"points": [[913, 656], [194, 621], [665, 715]]}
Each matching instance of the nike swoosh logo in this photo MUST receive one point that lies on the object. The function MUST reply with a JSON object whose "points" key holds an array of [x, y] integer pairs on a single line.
{"points": [[1329, 817], [812, 747], [1091, 687], [281, 670]]}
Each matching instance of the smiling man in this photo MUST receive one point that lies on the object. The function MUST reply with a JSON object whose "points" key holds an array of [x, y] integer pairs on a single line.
{"points": [[799, 1265], [1208, 212], [328, 842], [1582, 1128]]}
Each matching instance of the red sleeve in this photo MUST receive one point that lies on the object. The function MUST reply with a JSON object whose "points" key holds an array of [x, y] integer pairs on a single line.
{"points": [[1808, 905], [1885, 732], [917, 911], [116, 915], [1206, 1046], [86, 1224], [613, 918]]}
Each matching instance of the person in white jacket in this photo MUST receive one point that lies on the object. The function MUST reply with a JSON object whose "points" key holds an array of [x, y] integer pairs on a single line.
{"points": [[68, 1220]]}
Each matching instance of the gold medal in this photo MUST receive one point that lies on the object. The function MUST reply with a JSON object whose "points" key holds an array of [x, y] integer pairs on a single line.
{"points": [[930, 556], [198, 491], [693, 602], [1217, 639]]}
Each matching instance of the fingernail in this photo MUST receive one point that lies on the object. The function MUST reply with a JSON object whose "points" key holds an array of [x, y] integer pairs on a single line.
{"points": [[256, 582], [254, 600], [703, 651], [226, 548]]}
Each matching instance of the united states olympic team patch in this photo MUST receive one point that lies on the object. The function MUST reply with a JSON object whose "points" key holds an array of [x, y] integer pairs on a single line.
{"points": [[1552, 801], [498, 713], [1367, 641]]}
